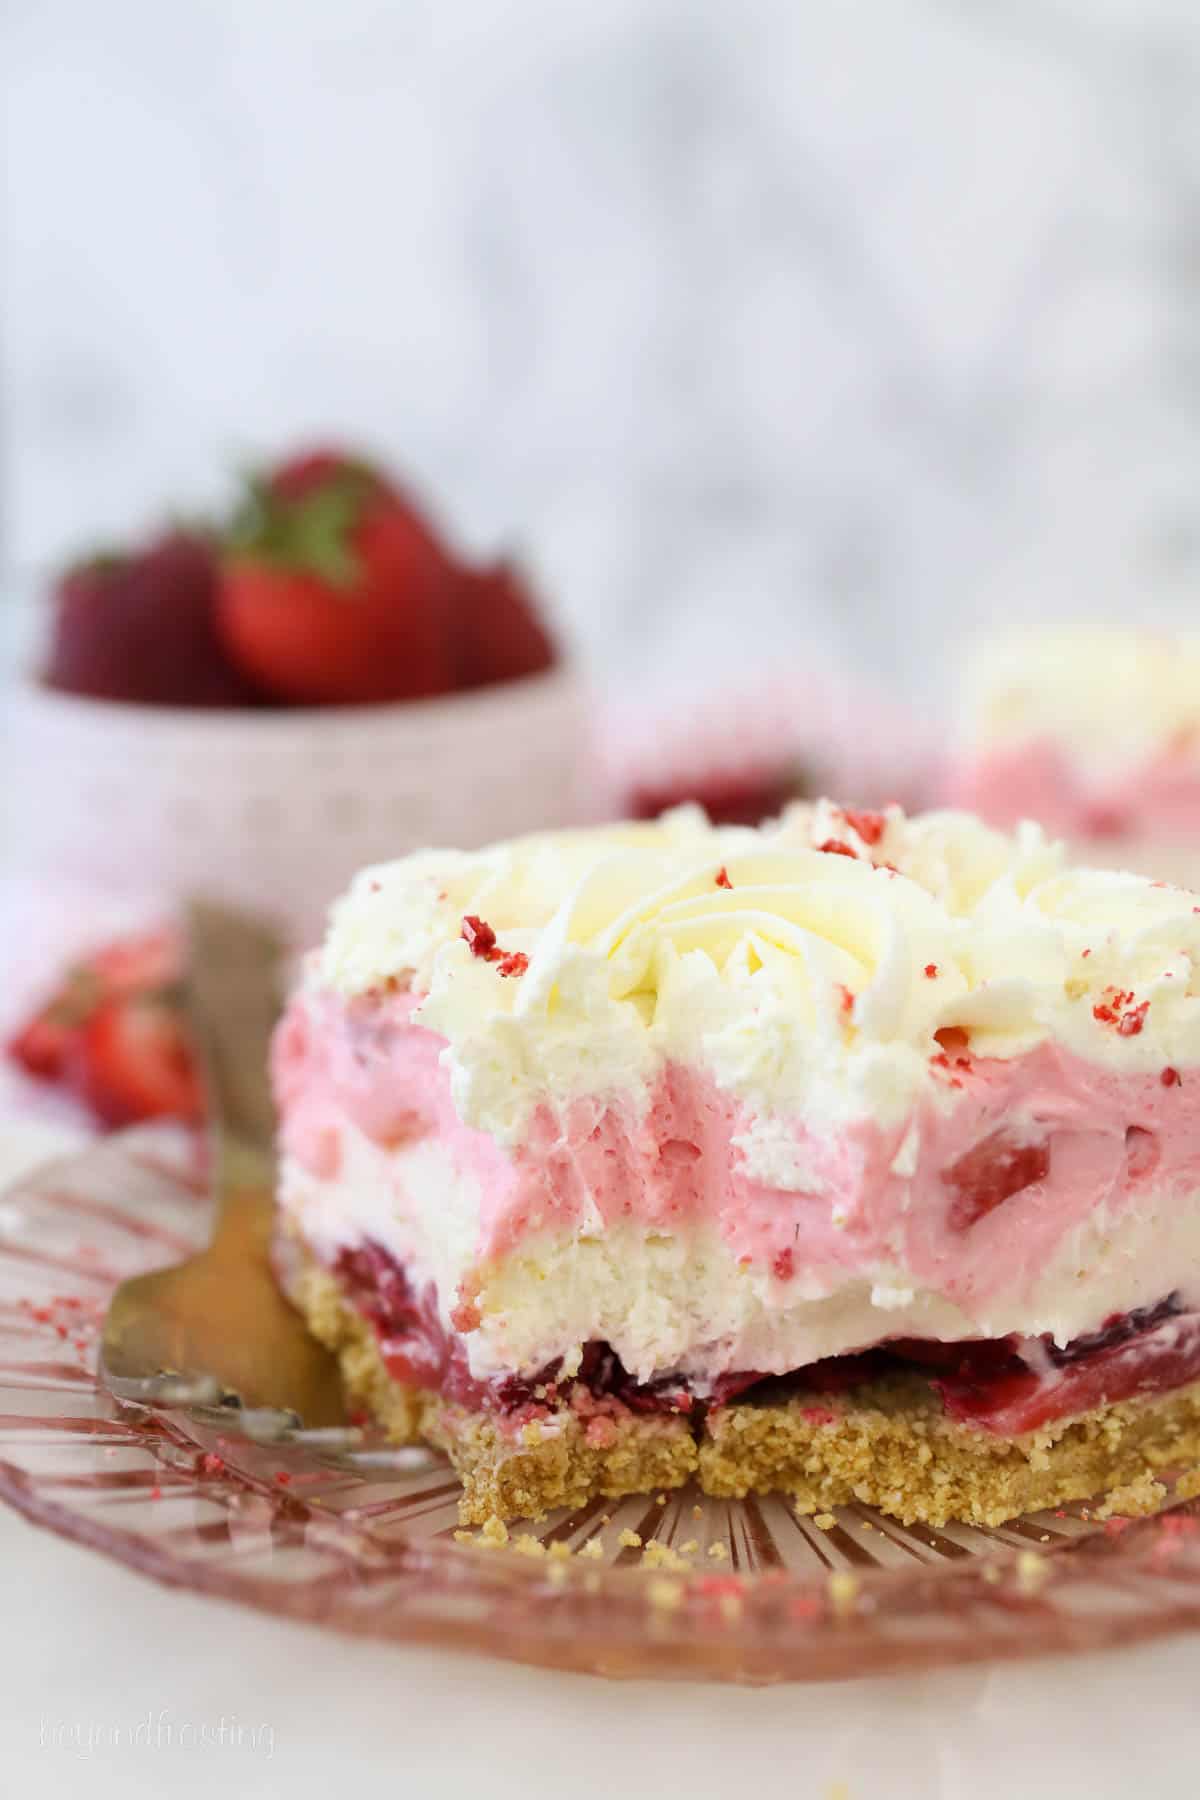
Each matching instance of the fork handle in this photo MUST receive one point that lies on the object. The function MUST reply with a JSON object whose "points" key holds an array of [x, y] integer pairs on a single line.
{"points": [[233, 993]]}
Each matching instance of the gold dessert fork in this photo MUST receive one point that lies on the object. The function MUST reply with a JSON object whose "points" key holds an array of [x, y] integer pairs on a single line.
{"points": [[216, 1328]]}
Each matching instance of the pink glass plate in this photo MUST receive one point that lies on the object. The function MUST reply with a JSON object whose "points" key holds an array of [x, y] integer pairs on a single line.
{"points": [[341, 1531]]}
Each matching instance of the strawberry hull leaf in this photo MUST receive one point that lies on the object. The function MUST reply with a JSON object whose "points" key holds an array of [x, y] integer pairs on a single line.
{"points": [[309, 535]]}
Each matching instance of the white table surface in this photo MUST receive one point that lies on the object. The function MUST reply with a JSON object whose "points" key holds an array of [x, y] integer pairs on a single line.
{"points": [[107, 1681], [88, 1648]]}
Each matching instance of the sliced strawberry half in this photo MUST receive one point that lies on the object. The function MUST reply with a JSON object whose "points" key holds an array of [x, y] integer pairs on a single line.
{"points": [[133, 1061], [45, 1044], [990, 1173], [154, 959]]}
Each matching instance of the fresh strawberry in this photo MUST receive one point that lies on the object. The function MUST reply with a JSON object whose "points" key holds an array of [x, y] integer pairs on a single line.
{"points": [[501, 636], [154, 959], [298, 476], [133, 1061], [141, 626], [334, 589]]}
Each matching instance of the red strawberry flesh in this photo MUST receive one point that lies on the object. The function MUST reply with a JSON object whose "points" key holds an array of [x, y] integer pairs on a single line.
{"points": [[44, 1046], [990, 1173], [1123, 1362], [134, 1062]]}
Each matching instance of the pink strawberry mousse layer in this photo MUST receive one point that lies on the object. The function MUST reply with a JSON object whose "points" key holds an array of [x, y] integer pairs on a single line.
{"points": [[1157, 800], [1036, 1196]]}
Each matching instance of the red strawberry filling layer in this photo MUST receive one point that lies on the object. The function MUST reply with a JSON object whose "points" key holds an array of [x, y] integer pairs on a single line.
{"points": [[1004, 1386]]}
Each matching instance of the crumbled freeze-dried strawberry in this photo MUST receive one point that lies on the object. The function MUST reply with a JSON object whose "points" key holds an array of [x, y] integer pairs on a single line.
{"points": [[479, 935], [819, 1415], [845, 997], [1170, 1077], [722, 878], [482, 940], [837, 847], [1115, 1007], [931, 970], [870, 826], [783, 1264]]}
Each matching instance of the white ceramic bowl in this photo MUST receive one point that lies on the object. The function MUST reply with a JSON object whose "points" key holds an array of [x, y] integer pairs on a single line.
{"points": [[276, 810]]}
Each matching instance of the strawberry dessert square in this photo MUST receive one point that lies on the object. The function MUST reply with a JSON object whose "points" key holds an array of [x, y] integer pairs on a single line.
{"points": [[1093, 730], [856, 1156]]}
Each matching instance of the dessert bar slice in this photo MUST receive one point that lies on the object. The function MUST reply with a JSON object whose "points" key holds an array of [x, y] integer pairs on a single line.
{"points": [[856, 1156]]}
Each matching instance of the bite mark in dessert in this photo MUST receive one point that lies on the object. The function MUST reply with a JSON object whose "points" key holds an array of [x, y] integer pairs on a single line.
{"points": [[859, 1174]]}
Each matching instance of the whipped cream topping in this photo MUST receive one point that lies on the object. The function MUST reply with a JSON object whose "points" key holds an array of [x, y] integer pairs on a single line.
{"points": [[808, 966], [1109, 697]]}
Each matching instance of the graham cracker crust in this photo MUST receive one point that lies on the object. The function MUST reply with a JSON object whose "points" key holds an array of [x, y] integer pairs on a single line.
{"points": [[886, 1444], [506, 1474], [889, 1444]]}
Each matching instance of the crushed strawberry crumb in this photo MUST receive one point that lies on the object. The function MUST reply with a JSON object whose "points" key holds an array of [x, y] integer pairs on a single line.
{"points": [[783, 1264], [836, 847], [479, 935], [870, 826], [931, 970], [1170, 1077], [1086, 952], [845, 997], [1115, 1007], [482, 940], [723, 880]]}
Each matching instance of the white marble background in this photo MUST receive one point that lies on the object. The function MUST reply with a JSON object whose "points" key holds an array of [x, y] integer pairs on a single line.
{"points": [[757, 323]]}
